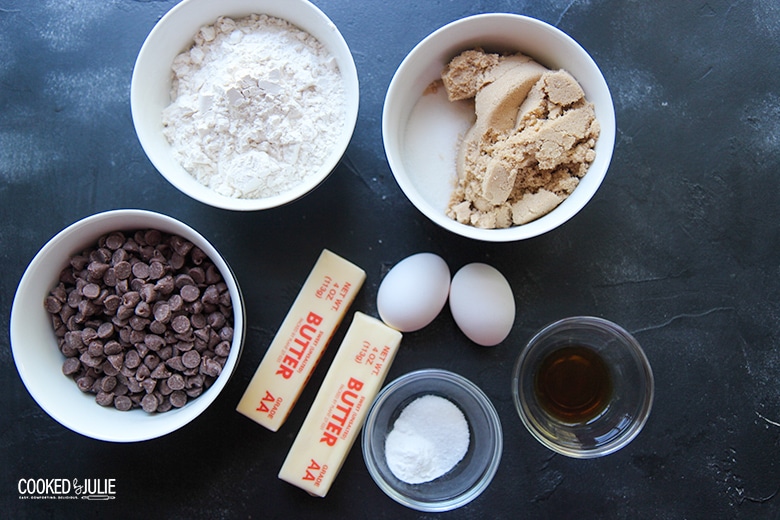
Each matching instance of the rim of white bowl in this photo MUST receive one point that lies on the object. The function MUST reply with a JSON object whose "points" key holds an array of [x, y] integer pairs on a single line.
{"points": [[394, 123]]}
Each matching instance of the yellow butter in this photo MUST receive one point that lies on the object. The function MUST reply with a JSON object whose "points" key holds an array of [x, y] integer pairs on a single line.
{"points": [[339, 410], [300, 341]]}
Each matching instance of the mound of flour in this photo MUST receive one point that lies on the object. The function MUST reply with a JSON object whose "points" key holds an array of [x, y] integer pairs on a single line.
{"points": [[257, 106]]}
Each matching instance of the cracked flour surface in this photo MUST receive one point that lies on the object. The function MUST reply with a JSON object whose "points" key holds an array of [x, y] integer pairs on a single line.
{"points": [[257, 104]]}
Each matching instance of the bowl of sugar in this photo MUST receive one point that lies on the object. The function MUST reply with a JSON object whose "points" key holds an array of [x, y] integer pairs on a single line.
{"points": [[498, 127], [244, 104], [432, 440]]}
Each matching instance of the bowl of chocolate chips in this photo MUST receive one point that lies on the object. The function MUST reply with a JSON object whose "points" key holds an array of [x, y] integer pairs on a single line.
{"points": [[126, 325]]}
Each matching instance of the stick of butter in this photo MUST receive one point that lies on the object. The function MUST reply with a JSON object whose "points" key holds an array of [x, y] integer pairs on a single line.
{"points": [[339, 410], [299, 343]]}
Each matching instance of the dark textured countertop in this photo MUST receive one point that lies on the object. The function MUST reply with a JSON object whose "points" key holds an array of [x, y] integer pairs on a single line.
{"points": [[681, 246]]}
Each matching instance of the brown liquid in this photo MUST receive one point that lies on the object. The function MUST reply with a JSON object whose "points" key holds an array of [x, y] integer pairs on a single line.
{"points": [[573, 384]]}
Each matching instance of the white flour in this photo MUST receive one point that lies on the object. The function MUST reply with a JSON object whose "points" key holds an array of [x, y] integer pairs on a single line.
{"points": [[427, 440], [257, 106]]}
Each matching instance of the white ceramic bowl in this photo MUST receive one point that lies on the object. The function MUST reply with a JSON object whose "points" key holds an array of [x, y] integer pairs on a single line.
{"points": [[39, 361], [421, 133], [151, 83]]}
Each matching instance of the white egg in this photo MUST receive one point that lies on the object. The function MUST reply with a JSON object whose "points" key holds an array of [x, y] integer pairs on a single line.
{"points": [[482, 304], [414, 292]]}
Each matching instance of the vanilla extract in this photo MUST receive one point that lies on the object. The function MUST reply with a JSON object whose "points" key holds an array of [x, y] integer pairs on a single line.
{"points": [[573, 384]]}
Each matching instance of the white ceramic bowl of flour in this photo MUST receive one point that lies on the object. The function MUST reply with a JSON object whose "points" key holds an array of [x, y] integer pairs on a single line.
{"points": [[422, 130], [151, 94]]}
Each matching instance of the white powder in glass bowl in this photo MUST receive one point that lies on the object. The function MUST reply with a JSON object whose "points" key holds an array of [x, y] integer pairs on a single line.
{"points": [[257, 106], [429, 438]]}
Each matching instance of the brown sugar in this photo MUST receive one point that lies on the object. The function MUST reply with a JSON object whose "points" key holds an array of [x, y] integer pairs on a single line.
{"points": [[531, 143]]}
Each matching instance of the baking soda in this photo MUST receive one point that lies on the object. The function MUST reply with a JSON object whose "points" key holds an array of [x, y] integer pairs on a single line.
{"points": [[428, 439], [257, 106]]}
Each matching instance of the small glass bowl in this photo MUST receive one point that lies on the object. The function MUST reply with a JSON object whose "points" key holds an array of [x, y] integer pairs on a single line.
{"points": [[632, 388], [471, 476]]}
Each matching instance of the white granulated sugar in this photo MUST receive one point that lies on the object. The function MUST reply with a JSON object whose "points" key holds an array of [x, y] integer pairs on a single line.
{"points": [[428, 439], [257, 106]]}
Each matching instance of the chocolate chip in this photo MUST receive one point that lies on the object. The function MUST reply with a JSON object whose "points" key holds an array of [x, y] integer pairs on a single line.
{"points": [[123, 270], [123, 403], [151, 361], [226, 333], [140, 346], [194, 392], [52, 305], [85, 383], [165, 285], [153, 237], [197, 256], [178, 398], [162, 312], [198, 275], [148, 293], [120, 255], [149, 403], [138, 323], [175, 364], [180, 245], [115, 240], [181, 324], [213, 275], [96, 270], [222, 349], [132, 359], [176, 261], [176, 382], [164, 406], [157, 327], [143, 310], [112, 347], [89, 360], [216, 320], [175, 302], [165, 352], [71, 366], [149, 385], [111, 303], [210, 367], [156, 270], [154, 342], [124, 312], [141, 270], [108, 383], [163, 388], [116, 360], [134, 386], [198, 321], [190, 359], [105, 330], [142, 373], [104, 398], [189, 293]]}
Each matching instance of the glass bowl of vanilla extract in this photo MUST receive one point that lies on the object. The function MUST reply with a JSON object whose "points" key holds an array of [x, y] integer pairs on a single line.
{"points": [[583, 387]]}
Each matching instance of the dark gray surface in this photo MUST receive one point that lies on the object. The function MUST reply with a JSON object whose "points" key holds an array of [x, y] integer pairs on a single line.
{"points": [[680, 246]]}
